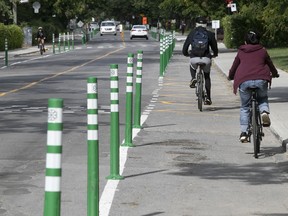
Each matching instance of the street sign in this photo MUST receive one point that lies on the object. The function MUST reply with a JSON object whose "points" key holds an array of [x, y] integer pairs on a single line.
{"points": [[215, 24], [80, 24], [233, 7], [36, 5]]}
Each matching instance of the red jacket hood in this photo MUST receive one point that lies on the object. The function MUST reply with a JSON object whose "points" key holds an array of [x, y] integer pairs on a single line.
{"points": [[247, 48]]}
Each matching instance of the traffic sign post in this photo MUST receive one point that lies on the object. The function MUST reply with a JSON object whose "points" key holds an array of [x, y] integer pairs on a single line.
{"points": [[216, 25]]}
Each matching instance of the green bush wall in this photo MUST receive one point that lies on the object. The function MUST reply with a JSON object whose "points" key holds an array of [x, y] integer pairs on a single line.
{"points": [[14, 35]]}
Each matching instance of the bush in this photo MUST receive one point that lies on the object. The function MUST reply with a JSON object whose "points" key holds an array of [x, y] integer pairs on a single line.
{"points": [[14, 35], [235, 28]]}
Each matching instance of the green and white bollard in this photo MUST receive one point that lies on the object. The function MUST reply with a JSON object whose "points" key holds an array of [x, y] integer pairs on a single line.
{"points": [[114, 125], [137, 106], [52, 205], [59, 43], [53, 43], [161, 57], [68, 41], [129, 102], [72, 40], [6, 52], [64, 42], [93, 148]]}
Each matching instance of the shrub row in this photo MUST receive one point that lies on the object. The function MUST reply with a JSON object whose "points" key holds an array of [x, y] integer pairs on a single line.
{"points": [[14, 36], [236, 26]]}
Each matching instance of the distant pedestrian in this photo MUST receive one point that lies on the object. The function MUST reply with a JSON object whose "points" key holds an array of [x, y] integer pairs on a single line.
{"points": [[182, 27], [252, 68]]}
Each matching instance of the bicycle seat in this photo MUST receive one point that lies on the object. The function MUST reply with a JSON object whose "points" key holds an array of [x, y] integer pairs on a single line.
{"points": [[253, 88], [201, 64]]}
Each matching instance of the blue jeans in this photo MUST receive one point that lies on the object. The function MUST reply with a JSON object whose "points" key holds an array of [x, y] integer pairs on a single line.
{"points": [[245, 96]]}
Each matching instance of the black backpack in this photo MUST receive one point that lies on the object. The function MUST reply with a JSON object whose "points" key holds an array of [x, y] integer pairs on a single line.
{"points": [[200, 42]]}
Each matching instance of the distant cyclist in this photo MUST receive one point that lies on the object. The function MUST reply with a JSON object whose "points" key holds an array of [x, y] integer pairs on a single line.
{"points": [[252, 68], [201, 40], [41, 37]]}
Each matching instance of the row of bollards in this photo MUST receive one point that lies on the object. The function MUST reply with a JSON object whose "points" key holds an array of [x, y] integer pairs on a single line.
{"points": [[65, 40], [167, 45], [52, 203]]}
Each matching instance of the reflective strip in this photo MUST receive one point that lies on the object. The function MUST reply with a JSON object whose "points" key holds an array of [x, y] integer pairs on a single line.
{"points": [[138, 80], [92, 119], [54, 138], [139, 64], [130, 60], [129, 89], [53, 161], [113, 72], [91, 88], [139, 72], [114, 96], [92, 104], [54, 115], [113, 84], [52, 183], [129, 79], [130, 70], [92, 135], [114, 108]]}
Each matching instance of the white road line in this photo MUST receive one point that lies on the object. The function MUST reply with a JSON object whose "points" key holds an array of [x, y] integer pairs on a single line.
{"points": [[111, 186]]}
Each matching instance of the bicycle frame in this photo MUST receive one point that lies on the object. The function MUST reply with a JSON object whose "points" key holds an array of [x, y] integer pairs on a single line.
{"points": [[200, 87], [255, 124], [41, 45]]}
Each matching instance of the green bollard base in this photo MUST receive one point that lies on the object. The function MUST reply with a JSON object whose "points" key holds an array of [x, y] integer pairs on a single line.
{"points": [[137, 126], [115, 177], [128, 145]]}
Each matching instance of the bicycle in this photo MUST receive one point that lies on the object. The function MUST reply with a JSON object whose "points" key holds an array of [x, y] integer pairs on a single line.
{"points": [[200, 85], [41, 47], [255, 127]]}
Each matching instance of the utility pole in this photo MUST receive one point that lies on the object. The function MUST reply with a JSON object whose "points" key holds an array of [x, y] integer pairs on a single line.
{"points": [[14, 10]]}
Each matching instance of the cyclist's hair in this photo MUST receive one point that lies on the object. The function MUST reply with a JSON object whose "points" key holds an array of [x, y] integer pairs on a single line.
{"points": [[252, 37]]}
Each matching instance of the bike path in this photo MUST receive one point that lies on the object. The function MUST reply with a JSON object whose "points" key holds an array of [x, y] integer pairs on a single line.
{"points": [[191, 163]]}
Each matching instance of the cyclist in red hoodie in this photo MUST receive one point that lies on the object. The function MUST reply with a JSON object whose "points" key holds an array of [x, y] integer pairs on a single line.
{"points": [[252, 68]]}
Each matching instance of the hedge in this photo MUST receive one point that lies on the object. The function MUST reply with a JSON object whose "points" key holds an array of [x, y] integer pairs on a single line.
{"points": [[14, 35]]}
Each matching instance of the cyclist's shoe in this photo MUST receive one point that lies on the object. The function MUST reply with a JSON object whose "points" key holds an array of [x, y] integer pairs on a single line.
{"points": [[207, 101], [193, 83], [265, 119], [244, 138]]}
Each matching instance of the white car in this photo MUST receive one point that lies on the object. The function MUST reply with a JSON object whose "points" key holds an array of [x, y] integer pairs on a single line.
{"points": [[139, 31], [108, 27]]}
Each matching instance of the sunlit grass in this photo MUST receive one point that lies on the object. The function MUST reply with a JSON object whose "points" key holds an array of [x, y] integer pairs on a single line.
{"points": [[279, 57]]}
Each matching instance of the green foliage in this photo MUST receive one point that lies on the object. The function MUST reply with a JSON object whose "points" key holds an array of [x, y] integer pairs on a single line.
{"points": [[269, 18], [275, 16], [14, 35], [279, 57]]}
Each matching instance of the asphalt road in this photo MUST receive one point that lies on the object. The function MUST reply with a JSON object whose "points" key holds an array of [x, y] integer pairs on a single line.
{"points": [[185, 162], [25, 87]]}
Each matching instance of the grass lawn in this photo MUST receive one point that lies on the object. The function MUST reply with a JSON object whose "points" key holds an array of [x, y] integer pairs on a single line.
{"points": [[279, 57]]}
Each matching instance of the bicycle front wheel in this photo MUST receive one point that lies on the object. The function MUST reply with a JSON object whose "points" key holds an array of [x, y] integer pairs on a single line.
{"points": [[255, 130], [41, 49], [200, 90]]}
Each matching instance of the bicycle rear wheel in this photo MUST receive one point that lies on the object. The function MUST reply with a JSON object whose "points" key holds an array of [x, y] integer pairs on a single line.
{"points": [[41, 49], [200, 90], [255, 130]]}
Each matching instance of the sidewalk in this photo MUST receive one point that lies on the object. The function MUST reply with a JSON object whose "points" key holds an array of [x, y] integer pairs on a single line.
{"points": [[21, 51]]}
